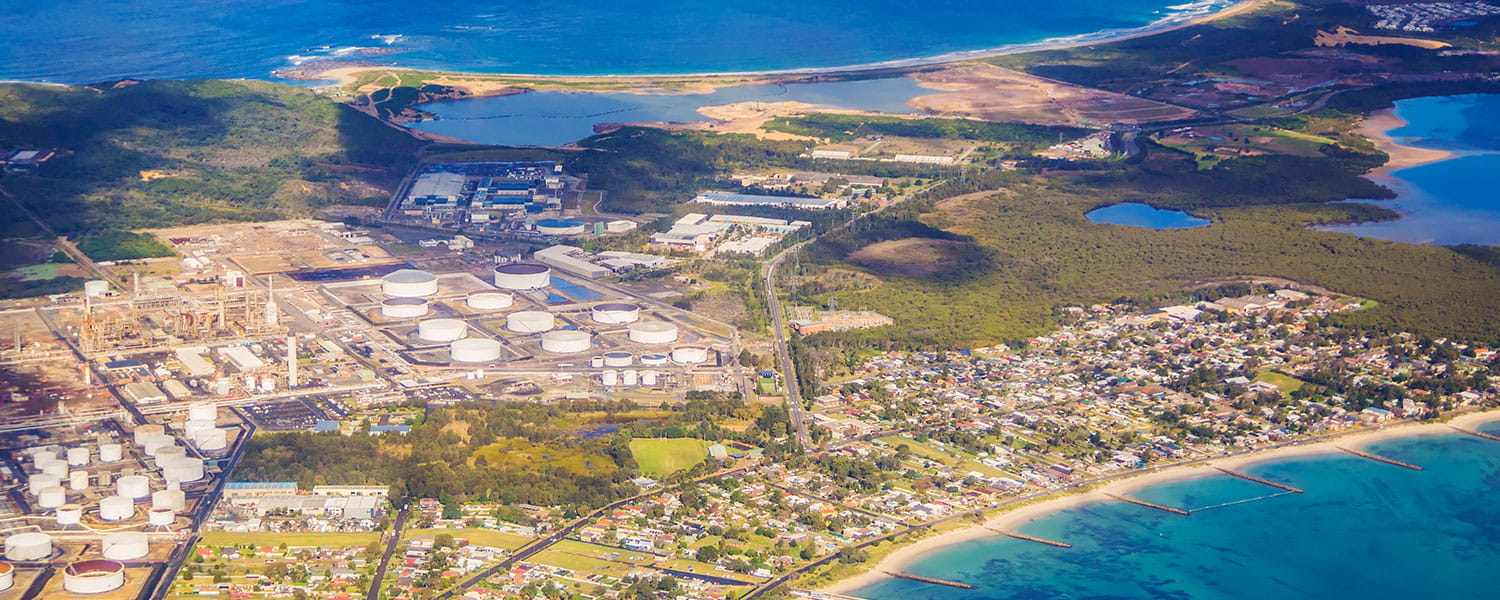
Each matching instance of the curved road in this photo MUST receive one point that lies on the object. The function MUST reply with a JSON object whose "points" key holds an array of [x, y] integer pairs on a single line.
{"points": [[783, 355]]}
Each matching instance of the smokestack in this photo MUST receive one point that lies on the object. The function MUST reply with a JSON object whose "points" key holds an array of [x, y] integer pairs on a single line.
{"points": [[291, 361], [272, 316]]}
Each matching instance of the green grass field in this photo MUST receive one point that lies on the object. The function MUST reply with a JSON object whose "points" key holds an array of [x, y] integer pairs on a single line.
{"points": [[660, 456], [261, 538], [1286, 383], [482, 537]]}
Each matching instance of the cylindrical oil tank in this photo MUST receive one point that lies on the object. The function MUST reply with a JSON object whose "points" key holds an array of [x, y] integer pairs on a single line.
{"points": [[165, 453], [522, 276], [94, 576], [596, 362], [654, 360], [630, 377], [648, 378], [133, 486], [615, 313], [156, 443], [69, 514], [442, 330], [56, 467], [42, 481], [610, 378], [111, 452], [148, 431], [409, 283], [183, 469], [125, 545], [42, 457], [530, 321], [489, 300], [7, 576], [689, 355], [116, 508], [28, 546], [161, 517], [557, 227], [618, 359], [52, 497], [653, 332], [78, 457], [403, 308], [169, 499], [474, 350], [565, 341], [203, 412], [195, 426], [213, 439], [78, 480]]}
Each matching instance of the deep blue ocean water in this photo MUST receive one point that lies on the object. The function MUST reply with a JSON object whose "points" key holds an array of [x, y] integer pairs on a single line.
{"points": [[1451, 201], [1136, 214], [91, 40], [1362, 531], [556, 118]]}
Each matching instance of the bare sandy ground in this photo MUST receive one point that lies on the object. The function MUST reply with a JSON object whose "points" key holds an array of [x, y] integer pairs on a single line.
{"points": [[1375, 127], [1341, 36], [985, 91], [1009, 520]]}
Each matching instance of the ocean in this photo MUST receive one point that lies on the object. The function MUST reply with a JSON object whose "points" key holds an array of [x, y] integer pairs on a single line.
{"points": [[1363, 530], [84, 41], [1445, 202]]}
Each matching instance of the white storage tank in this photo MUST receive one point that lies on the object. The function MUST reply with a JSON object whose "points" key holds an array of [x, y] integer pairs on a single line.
{"points": [[78, 457], [618, 359], [629, 377], [111, 452], [7, 576], [566, 341], [174, 500], [156, 443], [530, 321], [133, 486], [442, 330], [165, 453], [596, 362], [95, 288], [94, 576], [474, 350], [42, 481], [403, 308], [28, 546], [69, 514], [653, 332], [42, 457], [522, 276], [52, 497], [182, 469], [203, 412], [213, 439], [615, 313], [56, 467], [409, 283], [78, 480], [194, 427], [490, 300], [689, 355], [124, 545], [610, 378], [148, 431], [116, 508], [648, 378], [654, 360], [161, 517]]}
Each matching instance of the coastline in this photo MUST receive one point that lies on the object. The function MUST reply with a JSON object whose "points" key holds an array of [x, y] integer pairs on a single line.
{"points": [[1377, 127], [906, 555]]}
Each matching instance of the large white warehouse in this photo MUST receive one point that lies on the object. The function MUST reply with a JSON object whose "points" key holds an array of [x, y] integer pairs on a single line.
{"points": [[653, 332], [409, 283], [615, 313], [475, 350], [530, 321], [522, 276], [565, 341]]}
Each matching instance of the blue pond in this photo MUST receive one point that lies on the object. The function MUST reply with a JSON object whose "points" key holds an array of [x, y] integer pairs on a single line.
{"points": [[557, 118], [1136, 214], [1363, 530], [1450, 201]]}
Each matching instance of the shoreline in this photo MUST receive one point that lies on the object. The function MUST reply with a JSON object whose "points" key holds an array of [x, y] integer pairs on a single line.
{"points": [[1377, 126], [344, 75], [1009, 519]]}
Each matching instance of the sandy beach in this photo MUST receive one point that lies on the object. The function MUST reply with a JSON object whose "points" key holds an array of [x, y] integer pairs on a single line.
{"points": [[1376, 127], [1010, 519]]}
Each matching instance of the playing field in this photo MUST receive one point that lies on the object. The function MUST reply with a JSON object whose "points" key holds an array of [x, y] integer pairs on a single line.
{"points": [[660, 456], [224, 538]]}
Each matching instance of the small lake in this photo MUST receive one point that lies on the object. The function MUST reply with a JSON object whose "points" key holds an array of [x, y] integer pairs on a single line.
{"points": [[557, 118], [1136, 214], [1451, 201]]}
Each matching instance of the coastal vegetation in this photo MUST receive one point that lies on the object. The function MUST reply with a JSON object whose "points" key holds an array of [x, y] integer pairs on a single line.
{"points": [[1019, 138]]}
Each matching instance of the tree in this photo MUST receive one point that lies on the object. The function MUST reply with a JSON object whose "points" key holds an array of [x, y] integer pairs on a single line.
{"points": [[708, 554], [442, 540]]}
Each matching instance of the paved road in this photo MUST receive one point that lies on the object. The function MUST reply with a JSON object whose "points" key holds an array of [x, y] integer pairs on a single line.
{"points": [[390, 550], [783, 355]]}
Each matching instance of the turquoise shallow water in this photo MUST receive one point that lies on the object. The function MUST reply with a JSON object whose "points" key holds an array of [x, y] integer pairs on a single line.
{"points": [[1364, 530], [1451, 201], [91, 40]]}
